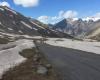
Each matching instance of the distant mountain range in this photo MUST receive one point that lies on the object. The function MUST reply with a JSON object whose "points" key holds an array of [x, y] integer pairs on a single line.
{"points": [[79, 28], [15, 23]]}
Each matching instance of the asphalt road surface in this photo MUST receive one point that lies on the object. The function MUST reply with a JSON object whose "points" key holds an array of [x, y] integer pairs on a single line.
{"points": [[73, 64]]}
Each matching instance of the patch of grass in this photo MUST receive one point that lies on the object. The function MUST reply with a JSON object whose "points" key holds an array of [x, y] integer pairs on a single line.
{"points": [[4, 40], [28, 53], [27, 70], [59, 40]]}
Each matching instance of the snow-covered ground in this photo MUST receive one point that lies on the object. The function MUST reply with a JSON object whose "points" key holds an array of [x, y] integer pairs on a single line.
{"points": [[11, 57], [93, 47], [18, 36]]}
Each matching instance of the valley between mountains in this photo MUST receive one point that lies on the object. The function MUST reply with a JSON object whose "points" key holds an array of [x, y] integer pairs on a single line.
{"points": [[32, 50]]}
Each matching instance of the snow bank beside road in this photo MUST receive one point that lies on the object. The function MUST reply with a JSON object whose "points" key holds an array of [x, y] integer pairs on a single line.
{"points": [[93, 47], [11, 57], [16, 35]]}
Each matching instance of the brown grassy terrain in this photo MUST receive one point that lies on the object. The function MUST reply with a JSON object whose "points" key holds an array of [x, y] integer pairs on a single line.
{"points": [[27, 70], [4, 41], [97, 37]]}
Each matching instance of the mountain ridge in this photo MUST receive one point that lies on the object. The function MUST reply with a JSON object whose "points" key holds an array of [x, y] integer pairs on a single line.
{"points": [[78, 28], [15, 23]]}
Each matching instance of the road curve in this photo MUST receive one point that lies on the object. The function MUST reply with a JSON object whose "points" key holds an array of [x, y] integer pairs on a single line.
{"points": [[73, 64]]}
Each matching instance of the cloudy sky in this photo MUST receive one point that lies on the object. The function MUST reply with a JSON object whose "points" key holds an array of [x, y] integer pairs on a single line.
{"points": [[52, 11]]}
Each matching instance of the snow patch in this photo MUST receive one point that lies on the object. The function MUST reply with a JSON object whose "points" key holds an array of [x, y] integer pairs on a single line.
{"points": [[79, 45], [10, 29], [16, 35], [1, 9], [34, 28], [11, 57], [37, 25], [26, 24], [11, 10], [20, 31]]}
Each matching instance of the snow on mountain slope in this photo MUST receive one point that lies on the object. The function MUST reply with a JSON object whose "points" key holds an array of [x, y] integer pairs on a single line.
{"points": [[78, 28], [11, 19], [73, 27], [26, 24], [37, 25], [44, 29], [11, 10], [15, 23]]}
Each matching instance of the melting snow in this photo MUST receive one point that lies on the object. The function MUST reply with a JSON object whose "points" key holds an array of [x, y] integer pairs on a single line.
{"points": [[34, 28], [37, 25], [16, 35], [26, 24], [79, 45], [11, 10], [10, 29], [11, 57], [20, 31], [1, 9]]}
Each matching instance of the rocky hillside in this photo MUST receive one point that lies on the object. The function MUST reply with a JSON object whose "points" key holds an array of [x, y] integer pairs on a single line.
{"points": [[47, 31], [94, 34], [15, 23], [77, 28]]}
